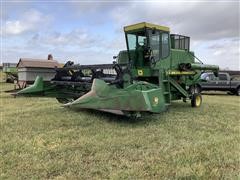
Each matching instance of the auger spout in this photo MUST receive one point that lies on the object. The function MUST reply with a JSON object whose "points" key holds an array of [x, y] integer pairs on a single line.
{"points": [[196, 66]]}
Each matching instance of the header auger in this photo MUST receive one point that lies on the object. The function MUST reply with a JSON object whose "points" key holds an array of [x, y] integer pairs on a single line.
{"points": [[156, 69]]}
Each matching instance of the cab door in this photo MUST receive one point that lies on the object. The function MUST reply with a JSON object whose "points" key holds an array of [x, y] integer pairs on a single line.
{"points": [[154, 42]]}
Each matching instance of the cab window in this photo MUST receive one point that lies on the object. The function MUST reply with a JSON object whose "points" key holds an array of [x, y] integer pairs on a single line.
{"points": [[210, 77], [132, 39], [142, 40], [165, 45], [222, 77], [154, 44]]}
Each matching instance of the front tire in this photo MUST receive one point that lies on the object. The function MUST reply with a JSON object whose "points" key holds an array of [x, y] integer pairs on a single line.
{"points": [[196, 100]]}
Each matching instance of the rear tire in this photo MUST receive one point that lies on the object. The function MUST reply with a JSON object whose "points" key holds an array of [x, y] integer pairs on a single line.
{"points": [[231, 92], [196, 100], [238, 91]]}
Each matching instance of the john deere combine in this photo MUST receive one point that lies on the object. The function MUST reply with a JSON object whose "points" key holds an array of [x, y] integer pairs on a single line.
{"points": [[156, 69]]}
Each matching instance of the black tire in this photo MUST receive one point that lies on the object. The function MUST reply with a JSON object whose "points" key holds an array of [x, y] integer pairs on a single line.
{"points": [[231, 92], [9, 80], [238, 91], [196, 100]]}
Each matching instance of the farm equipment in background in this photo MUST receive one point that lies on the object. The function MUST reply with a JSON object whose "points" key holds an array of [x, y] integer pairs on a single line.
{"points": [[156, 69], [10, 71]]}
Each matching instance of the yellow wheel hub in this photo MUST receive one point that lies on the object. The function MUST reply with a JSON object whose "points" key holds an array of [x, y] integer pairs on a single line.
{"points": [[198, 101]]}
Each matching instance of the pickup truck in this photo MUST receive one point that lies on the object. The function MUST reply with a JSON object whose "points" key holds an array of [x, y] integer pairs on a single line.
{"points": [[223, 82]]}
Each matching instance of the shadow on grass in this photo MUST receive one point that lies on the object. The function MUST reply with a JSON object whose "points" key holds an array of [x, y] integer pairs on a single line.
{"points": [[145, 119]]}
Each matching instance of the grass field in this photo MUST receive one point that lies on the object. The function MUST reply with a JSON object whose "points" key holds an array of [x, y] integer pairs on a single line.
{"points": [[2, 77], [42, 140]]}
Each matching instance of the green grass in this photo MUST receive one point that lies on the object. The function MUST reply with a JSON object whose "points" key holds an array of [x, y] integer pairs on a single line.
{"points": [[2, 76], [40, 140]]}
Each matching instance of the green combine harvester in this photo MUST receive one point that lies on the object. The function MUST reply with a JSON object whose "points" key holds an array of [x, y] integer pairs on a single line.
{"points": [[156, 69]]}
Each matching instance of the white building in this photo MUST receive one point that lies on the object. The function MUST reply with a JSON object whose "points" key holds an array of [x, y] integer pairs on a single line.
{"points": [[29, 69]]}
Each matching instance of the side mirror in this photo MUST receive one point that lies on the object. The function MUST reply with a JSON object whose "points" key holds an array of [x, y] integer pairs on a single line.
{"points": [[114, 57]]}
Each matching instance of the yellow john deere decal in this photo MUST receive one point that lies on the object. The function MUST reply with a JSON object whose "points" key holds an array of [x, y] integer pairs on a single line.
{"points": [[180, 72], [140, 72]]}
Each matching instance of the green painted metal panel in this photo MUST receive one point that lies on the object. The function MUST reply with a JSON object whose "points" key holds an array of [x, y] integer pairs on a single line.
{"points": [[103, 96]]}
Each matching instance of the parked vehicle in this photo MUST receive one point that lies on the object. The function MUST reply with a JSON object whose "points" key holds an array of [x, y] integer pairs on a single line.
{"points": [[10, 71], [224, 82]]}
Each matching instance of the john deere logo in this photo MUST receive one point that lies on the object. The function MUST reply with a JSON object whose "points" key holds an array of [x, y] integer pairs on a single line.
{"points": [[155, 100], [140, 72]]}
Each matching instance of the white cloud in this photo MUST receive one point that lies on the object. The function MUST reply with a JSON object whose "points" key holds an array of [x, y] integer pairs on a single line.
{"points": [[79, 45], [223, 52], [75, 37], [79, 38], [207, 23], [14, 27], [30, 20], [200, 20]]}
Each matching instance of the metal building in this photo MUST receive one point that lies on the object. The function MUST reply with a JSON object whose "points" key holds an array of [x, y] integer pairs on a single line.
{"points": [[29, 69]]}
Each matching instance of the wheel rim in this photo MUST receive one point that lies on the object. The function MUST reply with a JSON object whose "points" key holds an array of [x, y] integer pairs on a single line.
{"points": [[198, 101]]}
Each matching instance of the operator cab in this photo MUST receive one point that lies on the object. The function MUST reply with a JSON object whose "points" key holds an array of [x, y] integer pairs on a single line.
{"points": [[147, 43]]}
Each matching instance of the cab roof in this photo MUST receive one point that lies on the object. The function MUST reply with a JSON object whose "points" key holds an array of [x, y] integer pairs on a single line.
{"points": [[145, 25]]}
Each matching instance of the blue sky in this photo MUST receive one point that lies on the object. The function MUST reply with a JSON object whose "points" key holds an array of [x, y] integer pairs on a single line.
{"points": [[91, 32]]}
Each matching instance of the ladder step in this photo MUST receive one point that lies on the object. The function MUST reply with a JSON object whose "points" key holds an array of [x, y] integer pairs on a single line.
{"points": [[167, 104], [165, 80], [166, 93], [178, 87]]}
